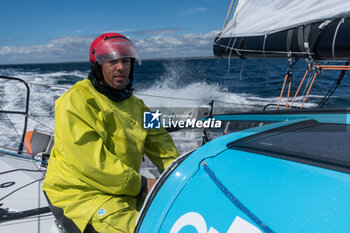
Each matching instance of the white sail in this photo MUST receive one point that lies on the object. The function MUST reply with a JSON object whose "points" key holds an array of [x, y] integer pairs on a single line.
{"points": [[262, 17]]}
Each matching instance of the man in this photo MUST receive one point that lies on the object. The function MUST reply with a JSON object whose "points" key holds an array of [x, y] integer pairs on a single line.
{"points": [[92, 181]]}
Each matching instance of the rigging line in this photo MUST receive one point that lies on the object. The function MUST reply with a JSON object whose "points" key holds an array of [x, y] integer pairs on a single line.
{"points": [[23, 157], [277, 52], [305, 88], [291, 65], [19, 137], [39, 191], [234, 200], [334, 86], [335, 36], [228, 13], [229, 42], [19, 169], [41, 123], [167, 97], [282, 90], [241, 72], [33, 115], [333, 61], [43, 217], [268, 71], [229, 56], [308, 91], [289, 87], [301, 83], [217, 101], [234, 8], [43, 172], [47, 85], [265, 37], [26, 214], [9, 194], [7, 148]]}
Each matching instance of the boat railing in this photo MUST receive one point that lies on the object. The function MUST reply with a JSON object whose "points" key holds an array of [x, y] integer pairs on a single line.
{"points": [[314, 70], [25, 113]]}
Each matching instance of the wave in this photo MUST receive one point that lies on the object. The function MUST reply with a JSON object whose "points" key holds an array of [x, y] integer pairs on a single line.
{"points": [[38, 75], [201, 94]]}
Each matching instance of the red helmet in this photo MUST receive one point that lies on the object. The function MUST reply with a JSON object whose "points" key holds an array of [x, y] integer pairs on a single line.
{"points": [[111, 46]]}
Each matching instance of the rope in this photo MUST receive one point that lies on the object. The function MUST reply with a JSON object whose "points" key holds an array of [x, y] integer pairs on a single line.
{"points": [[234, 9], [253, 50], [265, 37], [335, 36], [305, 88], [47, 85], [334, 86], [7, 195], [312, 82], [318, 69], [333, 67], [19, 169], [284, 83], [43, 217], [19, 137], [301, 83], [234, 200], [289, 78], [228, 13], [168, 97], [15, 150], [229, 42], [229, 58], [241, 71], [289, 86], [41, 122], [22, 157]]}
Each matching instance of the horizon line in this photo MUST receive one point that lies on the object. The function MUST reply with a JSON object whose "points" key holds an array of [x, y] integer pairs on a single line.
{"points": [[146, 59]]}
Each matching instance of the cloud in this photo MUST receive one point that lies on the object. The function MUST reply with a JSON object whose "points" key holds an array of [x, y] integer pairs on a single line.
{"points": [[66, 49], [163, 31], [188, 45], [192, 11], [56, 50]]}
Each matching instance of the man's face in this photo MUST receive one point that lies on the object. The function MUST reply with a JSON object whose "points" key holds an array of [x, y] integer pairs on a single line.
{"points": [[116, 72]]}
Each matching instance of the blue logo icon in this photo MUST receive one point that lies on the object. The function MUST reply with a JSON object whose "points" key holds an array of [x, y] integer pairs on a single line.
{"points": [[101, 212], [151, 120]]}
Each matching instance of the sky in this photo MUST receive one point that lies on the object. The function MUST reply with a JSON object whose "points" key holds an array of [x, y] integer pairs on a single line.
{"points": [[48, 31]]}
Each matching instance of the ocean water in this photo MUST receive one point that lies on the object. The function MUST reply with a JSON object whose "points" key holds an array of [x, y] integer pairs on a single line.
{"points": [[238, 85]]}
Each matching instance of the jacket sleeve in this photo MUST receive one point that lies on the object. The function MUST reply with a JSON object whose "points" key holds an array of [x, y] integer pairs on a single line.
{"points": [[160, 148], [81, 136]]}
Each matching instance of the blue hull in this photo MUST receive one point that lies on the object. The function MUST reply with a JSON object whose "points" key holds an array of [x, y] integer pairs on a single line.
{"points": [[225, 187]]}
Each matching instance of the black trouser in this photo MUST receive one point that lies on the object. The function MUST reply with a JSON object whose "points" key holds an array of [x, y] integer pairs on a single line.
{"points": [[67, 224]]}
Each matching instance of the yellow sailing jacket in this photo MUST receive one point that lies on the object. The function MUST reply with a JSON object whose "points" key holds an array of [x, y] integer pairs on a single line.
{"points": [[98, 149]]}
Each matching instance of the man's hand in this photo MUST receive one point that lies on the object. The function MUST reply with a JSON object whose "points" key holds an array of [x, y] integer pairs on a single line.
{"points": [[150, 183]]}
